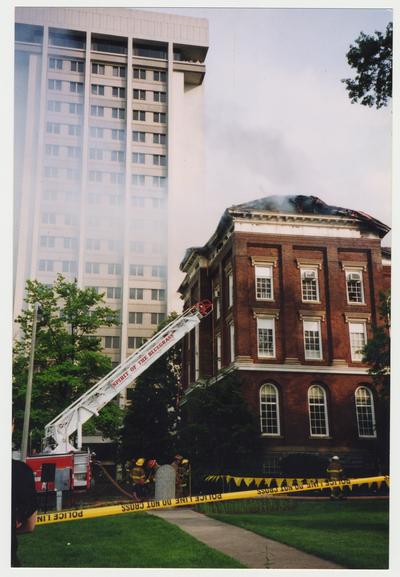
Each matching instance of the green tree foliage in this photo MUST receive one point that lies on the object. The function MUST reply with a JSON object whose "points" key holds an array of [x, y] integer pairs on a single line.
{"points": [[68, 357], [377, 355], [218, 433], [149, 428], [371, 57]]}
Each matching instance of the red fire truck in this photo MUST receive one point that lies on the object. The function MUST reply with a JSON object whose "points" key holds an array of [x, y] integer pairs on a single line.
{"points": [[64, 466]]}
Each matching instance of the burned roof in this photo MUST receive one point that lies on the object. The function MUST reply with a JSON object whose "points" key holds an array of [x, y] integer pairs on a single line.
{"points": [[286, 204]]}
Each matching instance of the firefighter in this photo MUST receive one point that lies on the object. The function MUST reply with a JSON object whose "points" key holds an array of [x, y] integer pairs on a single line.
{"points": [[151, 469], [335, 473], [138, 478]]}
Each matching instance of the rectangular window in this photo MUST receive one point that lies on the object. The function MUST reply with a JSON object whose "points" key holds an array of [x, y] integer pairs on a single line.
{"points": [[111, 342], [54, 84], [47, 241], [135, 318], [73, 173], [159, 138], [54, 106], [114, 268], [51, 171], [232, 342], [264, 288], [137, 246], [117, 177], [55, 63], [138, 136], [48, 218], [269, 410], [113, 292], [160, 96], [138, 157], [160, 117], [93, 244], [118, 113], [113, 245], [96, 153], [95, 176], [138, 179], [229, 279], [136, 269], [74, 130], [98, 89], [75, 108], [219, 352], [119, 71], [46, 265], [69, 266], [53, 127], [96, 132], [136, 294], [318, 413], [139, 115], [358, 340], [77, 66], [117, 155], [266, 337], [118, 91], [136, 342], [139, 94], [157, 318], [217, 302], [157, 294], [137, 201], [354, 285], [70, 242], [158, 271], [312, 340], [92, 268], [52, 149], [139, 73], [118, 134], [309, 284], [76, 87], [159, 181], [98, 68], [159, 160], [159, 76]]}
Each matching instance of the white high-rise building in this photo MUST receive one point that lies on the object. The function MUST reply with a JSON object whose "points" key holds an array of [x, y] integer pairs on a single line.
{"points": [[108, 153]]}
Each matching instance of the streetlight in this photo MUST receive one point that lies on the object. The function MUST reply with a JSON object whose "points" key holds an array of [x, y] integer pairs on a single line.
{"points": [[28, 396]]}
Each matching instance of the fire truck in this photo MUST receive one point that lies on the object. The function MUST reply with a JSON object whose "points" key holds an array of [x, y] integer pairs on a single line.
{"points": [[63, 464]]}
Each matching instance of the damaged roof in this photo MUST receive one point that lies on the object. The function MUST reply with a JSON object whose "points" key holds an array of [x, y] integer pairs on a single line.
{"points": [[287, 204]]}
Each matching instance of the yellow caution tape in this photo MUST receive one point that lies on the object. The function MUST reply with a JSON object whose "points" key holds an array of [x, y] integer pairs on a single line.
{"points": [[44, 519]]}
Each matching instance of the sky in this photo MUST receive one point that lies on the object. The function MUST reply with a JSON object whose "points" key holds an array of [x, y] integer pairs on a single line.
{"points": [[277, 117]]}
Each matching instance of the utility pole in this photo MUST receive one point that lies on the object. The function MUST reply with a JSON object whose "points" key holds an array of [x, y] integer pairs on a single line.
{"points": [[28, 396]]}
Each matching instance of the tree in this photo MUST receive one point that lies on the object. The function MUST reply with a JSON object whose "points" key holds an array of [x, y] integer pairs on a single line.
{"points": [[68, 357], [218, 433], [149, 428], [377, 354], [371, 57]]}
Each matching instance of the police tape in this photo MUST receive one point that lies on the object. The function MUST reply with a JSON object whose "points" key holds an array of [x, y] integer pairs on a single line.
{"points": [[91, 513]]}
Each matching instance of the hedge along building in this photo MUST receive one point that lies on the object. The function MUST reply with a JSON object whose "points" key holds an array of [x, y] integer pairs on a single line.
{"points": [[295, 285]]}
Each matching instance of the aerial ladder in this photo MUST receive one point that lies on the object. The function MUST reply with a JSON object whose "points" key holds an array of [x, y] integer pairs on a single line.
{"points": [[59, 450]]}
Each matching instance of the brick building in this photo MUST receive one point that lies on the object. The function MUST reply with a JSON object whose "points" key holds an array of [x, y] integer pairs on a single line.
{"points": [[295, 285]]}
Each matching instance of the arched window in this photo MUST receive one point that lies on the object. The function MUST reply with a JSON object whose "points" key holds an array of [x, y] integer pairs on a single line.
{"points": [[365, 412], [318, 412], [269, 410]]}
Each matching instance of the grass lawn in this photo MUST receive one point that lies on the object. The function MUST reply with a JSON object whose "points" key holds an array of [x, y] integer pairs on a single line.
{"points": [[136, 540], [352, 533]]}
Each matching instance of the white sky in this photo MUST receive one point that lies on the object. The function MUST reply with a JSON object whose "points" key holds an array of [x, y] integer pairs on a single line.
{"points": [[278, 119]]}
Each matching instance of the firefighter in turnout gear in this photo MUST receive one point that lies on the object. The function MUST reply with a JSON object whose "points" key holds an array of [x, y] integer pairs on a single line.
{"points": [[335, 473], [138, 478], [151, 470]]}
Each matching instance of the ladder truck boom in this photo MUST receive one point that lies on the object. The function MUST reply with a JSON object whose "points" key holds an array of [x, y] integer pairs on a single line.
{"points": [[71, 420]]}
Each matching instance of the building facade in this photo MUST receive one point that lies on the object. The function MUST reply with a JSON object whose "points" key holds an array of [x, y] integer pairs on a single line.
{"points": [[295, 285], [108, 111]]}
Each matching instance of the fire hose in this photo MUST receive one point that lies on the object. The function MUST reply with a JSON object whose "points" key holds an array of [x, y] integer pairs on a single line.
{"points": [[114, 482]]}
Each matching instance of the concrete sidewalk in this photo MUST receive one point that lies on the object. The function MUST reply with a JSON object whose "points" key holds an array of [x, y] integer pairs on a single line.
{"points": [[254, 551]]}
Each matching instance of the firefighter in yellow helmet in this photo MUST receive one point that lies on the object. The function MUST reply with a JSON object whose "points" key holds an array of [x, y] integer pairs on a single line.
{"points": [[335, 473], [138, 478]]}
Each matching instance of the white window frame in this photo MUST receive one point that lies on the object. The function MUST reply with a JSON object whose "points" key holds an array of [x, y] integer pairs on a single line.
{"points": [[196, 352], [229, 280], [269, 324], [232, 342], [358, 405], [259, 269], [348, 272], [304, 270], [325, 407], [264, 413], [219, 351], [355, 356], [307, 354]]}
